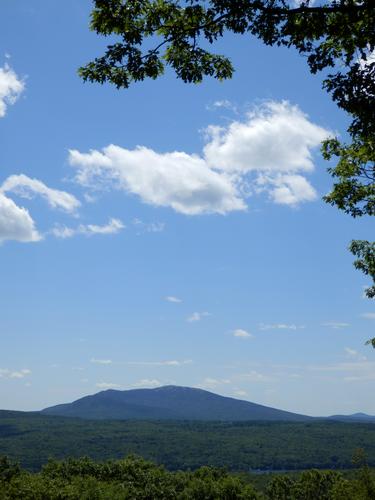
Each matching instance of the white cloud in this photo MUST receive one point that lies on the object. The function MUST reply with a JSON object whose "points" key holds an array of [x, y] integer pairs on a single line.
{"points": [[178, 180], [16, 223], [197, 316], [24, 186], [287, 189], [173, 299], [107, 385], [336, 325], [267, 152], [280, 326], [146, 382], [101, 361], [5, 373], [11, 87], [114, 226], [368, 315], [223, 104], [243, 334], [275, 137]]}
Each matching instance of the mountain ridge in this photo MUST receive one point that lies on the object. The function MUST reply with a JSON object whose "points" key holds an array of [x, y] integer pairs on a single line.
{"points": [[169, 403]]}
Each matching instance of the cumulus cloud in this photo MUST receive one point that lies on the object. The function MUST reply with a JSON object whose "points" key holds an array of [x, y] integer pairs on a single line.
{"points": [[114, 226], [11, 87], [5, 373], [16, 223], [101, 361], [197, 316], [173, 299], [25, 187], [242, 334], [178, 180], [275, 137], [270, 151]]}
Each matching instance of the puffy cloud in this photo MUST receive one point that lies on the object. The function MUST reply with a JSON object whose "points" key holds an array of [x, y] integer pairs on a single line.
{"points": [[287, 189], [178, 180], [197, 316], [242, 334], [11, 87], [173, 299], [275, 137], [114, 226], [267, 152], [24, 186], [16, 223]]}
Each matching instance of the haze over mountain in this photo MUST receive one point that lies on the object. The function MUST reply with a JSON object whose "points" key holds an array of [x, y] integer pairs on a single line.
{"points": [[169, 402]]}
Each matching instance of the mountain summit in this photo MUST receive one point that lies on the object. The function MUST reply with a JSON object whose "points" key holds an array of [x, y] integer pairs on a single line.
{"points": [[169, 402]]}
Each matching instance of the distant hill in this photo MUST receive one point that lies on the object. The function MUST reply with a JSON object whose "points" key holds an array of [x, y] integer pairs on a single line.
{"points": [[171, 403], [356, 417]]}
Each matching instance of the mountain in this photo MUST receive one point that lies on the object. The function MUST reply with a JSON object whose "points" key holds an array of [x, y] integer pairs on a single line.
{"points": [[169, 402], [356, 417]]}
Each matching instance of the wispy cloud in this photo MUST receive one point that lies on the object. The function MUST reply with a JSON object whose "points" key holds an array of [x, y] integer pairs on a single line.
{"points": [[113, 226], [370, 315], [197, 316], [25, 187], [336, 325], [172, 362], [212, 383], [101, 361], [148, 227], [149, 383], [280, 326], [172, 298], [6, 373], [107, 385]]}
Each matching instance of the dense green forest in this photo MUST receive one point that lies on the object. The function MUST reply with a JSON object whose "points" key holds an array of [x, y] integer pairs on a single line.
{"points": [[32, 438], [135, 478]]}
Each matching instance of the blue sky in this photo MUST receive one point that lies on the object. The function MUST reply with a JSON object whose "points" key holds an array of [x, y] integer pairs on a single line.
{"points": [[171, 234]]}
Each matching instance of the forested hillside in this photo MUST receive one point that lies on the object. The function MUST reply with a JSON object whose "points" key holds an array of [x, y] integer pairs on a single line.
{"points": [[31, 439]]}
